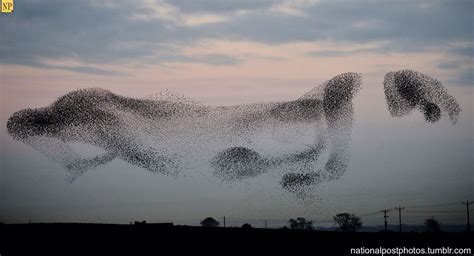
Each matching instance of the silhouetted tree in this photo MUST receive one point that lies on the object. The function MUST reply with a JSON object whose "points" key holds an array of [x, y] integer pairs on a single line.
{"points": [[209, 222], [347, 222], [432, 225], [301, 223], [246, 226]]}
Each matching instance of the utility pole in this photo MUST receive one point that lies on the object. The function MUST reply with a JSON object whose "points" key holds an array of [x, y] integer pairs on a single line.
{"points": [[399, 208], [224, 221], [385, 217], [265, 224], [467, 203]]}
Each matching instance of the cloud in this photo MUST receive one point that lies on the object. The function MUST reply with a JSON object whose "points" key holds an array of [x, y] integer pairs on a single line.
{"points": [[100, 34], [405, 24], [342, 53], [153, 32], [211, 59], [90, 70], [386, 47], [293, 7], [217, 6], [160, 10], [454, 64], [467, 50], [462, 72], [218, 59], [465, 77]]}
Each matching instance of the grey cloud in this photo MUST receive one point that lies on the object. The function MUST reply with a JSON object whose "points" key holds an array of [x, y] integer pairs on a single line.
{"points": [[467, 51], [404, 23], [385, 48], [93, 35], [219, 59], [211, 59], [450, 64], [90, 70], [102, 34], [96, 35], [339, 53], [221, 6], [465, 77], [332, 53], [263, 57]]}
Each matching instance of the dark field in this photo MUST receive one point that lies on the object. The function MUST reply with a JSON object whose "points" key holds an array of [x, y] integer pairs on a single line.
{"points": [[162, 239]]}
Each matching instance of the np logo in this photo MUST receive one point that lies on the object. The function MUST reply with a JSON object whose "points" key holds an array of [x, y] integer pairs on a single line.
{"points": [[7, 5]]}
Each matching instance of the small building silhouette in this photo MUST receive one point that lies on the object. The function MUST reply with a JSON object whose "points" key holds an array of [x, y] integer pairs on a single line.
{"points": [[139, 222]]}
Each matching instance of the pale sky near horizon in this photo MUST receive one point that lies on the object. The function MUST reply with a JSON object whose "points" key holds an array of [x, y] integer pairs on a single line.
{"points": [[235, 52]]}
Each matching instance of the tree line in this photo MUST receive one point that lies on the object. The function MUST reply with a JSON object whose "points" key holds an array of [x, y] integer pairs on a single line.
{"points": [[346, 222]]}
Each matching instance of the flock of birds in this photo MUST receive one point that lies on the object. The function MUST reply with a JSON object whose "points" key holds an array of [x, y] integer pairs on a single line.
{"points": [[303, 141]]}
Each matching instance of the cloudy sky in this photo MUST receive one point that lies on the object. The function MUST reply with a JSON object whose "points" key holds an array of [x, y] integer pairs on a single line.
{"points": [[232, 52]]}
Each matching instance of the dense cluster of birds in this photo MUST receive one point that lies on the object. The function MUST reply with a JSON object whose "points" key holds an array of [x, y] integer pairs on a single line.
{"points": [[406, 90], [304, 141]]}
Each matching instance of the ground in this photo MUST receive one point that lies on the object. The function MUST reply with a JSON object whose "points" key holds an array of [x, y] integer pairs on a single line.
{"points": [[87, 239]]}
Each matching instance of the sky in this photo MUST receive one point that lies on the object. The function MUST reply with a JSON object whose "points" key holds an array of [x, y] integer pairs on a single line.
{"points": [[235, 52]]}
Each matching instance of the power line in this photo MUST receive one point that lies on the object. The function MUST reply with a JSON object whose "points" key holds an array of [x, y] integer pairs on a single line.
{"points": [[467, 203], [433, 211], [431, 205], [399, 208], [406, 209], [368, 214], [385, 217]]}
